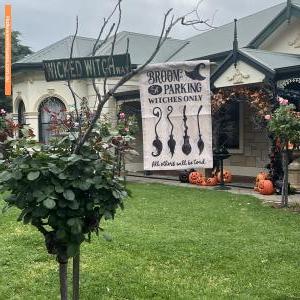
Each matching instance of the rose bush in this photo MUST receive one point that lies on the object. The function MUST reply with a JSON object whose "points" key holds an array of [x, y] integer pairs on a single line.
{"points": [[63, 194]]}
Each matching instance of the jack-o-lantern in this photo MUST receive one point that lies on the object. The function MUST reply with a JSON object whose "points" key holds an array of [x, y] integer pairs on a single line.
{"points": [[201, 181], [212, 181], [194, 176], [266, 187], [261, 176], [227, 176]]}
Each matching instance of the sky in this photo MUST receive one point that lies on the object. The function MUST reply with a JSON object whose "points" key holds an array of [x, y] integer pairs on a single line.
{"points": [[42, 22]]}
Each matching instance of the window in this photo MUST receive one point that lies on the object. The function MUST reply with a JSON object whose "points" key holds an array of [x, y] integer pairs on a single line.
{"points": [[21, 116], [47, 109]]}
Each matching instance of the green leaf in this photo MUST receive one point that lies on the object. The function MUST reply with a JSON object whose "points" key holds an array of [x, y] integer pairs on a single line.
{"points": [[38, 194], [5, 176], [33, 175], [62, 203], [84, 185], [17, 175], [62, 176], [72, 221], [73, 205], [69, 195], [58, 188], [40, 212], [49, 203]]}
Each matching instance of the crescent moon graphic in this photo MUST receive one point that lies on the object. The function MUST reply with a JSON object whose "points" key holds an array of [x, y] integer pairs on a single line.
{"points": [[195, 74]]}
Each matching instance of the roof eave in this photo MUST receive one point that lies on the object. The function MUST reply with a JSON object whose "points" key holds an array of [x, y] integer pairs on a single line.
{"points": [[270, 73], [272, 26], [22, 66]]}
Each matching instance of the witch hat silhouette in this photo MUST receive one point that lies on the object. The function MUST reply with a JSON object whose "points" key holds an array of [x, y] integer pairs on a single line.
{"points": [[195, 73]]}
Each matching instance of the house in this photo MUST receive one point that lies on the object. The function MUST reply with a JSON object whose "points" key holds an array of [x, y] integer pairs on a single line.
{"points": [[258, 50]]}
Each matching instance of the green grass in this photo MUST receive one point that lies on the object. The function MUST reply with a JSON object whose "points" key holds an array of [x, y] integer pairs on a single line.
{"points": [[169, 243]]}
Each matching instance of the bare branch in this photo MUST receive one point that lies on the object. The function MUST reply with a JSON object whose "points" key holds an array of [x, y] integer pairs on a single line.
{"points": [[106, 21], [165, 31], [113, 43], [69, 79]]}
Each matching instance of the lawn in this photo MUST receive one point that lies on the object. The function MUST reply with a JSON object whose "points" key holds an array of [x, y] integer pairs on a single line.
{"points": [[169, 243]]}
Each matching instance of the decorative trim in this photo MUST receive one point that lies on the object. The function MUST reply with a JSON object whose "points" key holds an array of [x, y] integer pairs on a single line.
{"points": [[238, 76], [296, 42], [51, 92], [283, 83]]}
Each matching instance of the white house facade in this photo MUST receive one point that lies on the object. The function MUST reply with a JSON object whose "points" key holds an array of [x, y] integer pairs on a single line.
{"points": [[268, 51]]}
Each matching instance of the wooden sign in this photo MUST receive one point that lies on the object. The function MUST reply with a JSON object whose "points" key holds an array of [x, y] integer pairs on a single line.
{"points": [[87, 67]]}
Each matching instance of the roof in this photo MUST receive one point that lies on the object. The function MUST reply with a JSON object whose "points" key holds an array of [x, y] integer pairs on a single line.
{"points": [[141, 46], [273, 60], [220, 39], [212, 42], [272, 64], [61, 49]]}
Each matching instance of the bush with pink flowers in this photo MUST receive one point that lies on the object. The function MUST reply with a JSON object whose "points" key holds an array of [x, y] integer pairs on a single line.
{"points": [[284, 122]]}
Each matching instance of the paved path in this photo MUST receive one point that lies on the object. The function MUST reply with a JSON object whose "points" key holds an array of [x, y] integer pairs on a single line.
{"points": [[243, 191]]}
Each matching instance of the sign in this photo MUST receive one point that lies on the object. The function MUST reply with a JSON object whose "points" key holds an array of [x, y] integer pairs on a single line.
{"points": [[87, 67], [7, 63], [176, 115]]}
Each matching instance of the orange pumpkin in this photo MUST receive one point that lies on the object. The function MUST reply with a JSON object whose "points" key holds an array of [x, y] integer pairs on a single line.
{"points": [[261, 176], [194, 176], [212, 181], [227, 176], [265, 187], [201, 181]]}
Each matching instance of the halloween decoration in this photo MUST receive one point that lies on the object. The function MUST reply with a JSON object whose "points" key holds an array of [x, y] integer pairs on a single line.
{"points": [[157, 142], [171, 141], [195, 73], [186, 147], [200, 141], [201, 181], [184, 176], [261, 176], [227, 176], [212, 181], [194, 177], [265, 187]]}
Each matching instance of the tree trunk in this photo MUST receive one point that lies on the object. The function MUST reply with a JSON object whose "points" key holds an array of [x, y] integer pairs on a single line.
{"points": [[63, 279], [285, 183], [76, 271]]}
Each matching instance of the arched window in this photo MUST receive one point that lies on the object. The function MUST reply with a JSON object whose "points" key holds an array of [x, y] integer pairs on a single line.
{"points": [[49, 108], [21, 114]]}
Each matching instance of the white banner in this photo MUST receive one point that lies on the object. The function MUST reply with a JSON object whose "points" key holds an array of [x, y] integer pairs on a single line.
{"points": [[176, 113]]}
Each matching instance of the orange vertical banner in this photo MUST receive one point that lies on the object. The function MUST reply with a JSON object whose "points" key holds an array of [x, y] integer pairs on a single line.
{"points": [[7, 30]]}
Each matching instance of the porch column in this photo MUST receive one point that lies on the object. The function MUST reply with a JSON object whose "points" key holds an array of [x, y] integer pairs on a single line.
{"points": [[294, 173], [32, 120]]}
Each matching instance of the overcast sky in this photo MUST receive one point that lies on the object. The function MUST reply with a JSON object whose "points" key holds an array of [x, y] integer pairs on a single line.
{"points": [[43, 22]]}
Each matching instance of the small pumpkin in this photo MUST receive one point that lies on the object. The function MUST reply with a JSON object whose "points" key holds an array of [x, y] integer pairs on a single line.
{"points": [[212, 181], [266, 187], [194, 176], [227, 176], [201, 181], [261, 176]]}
